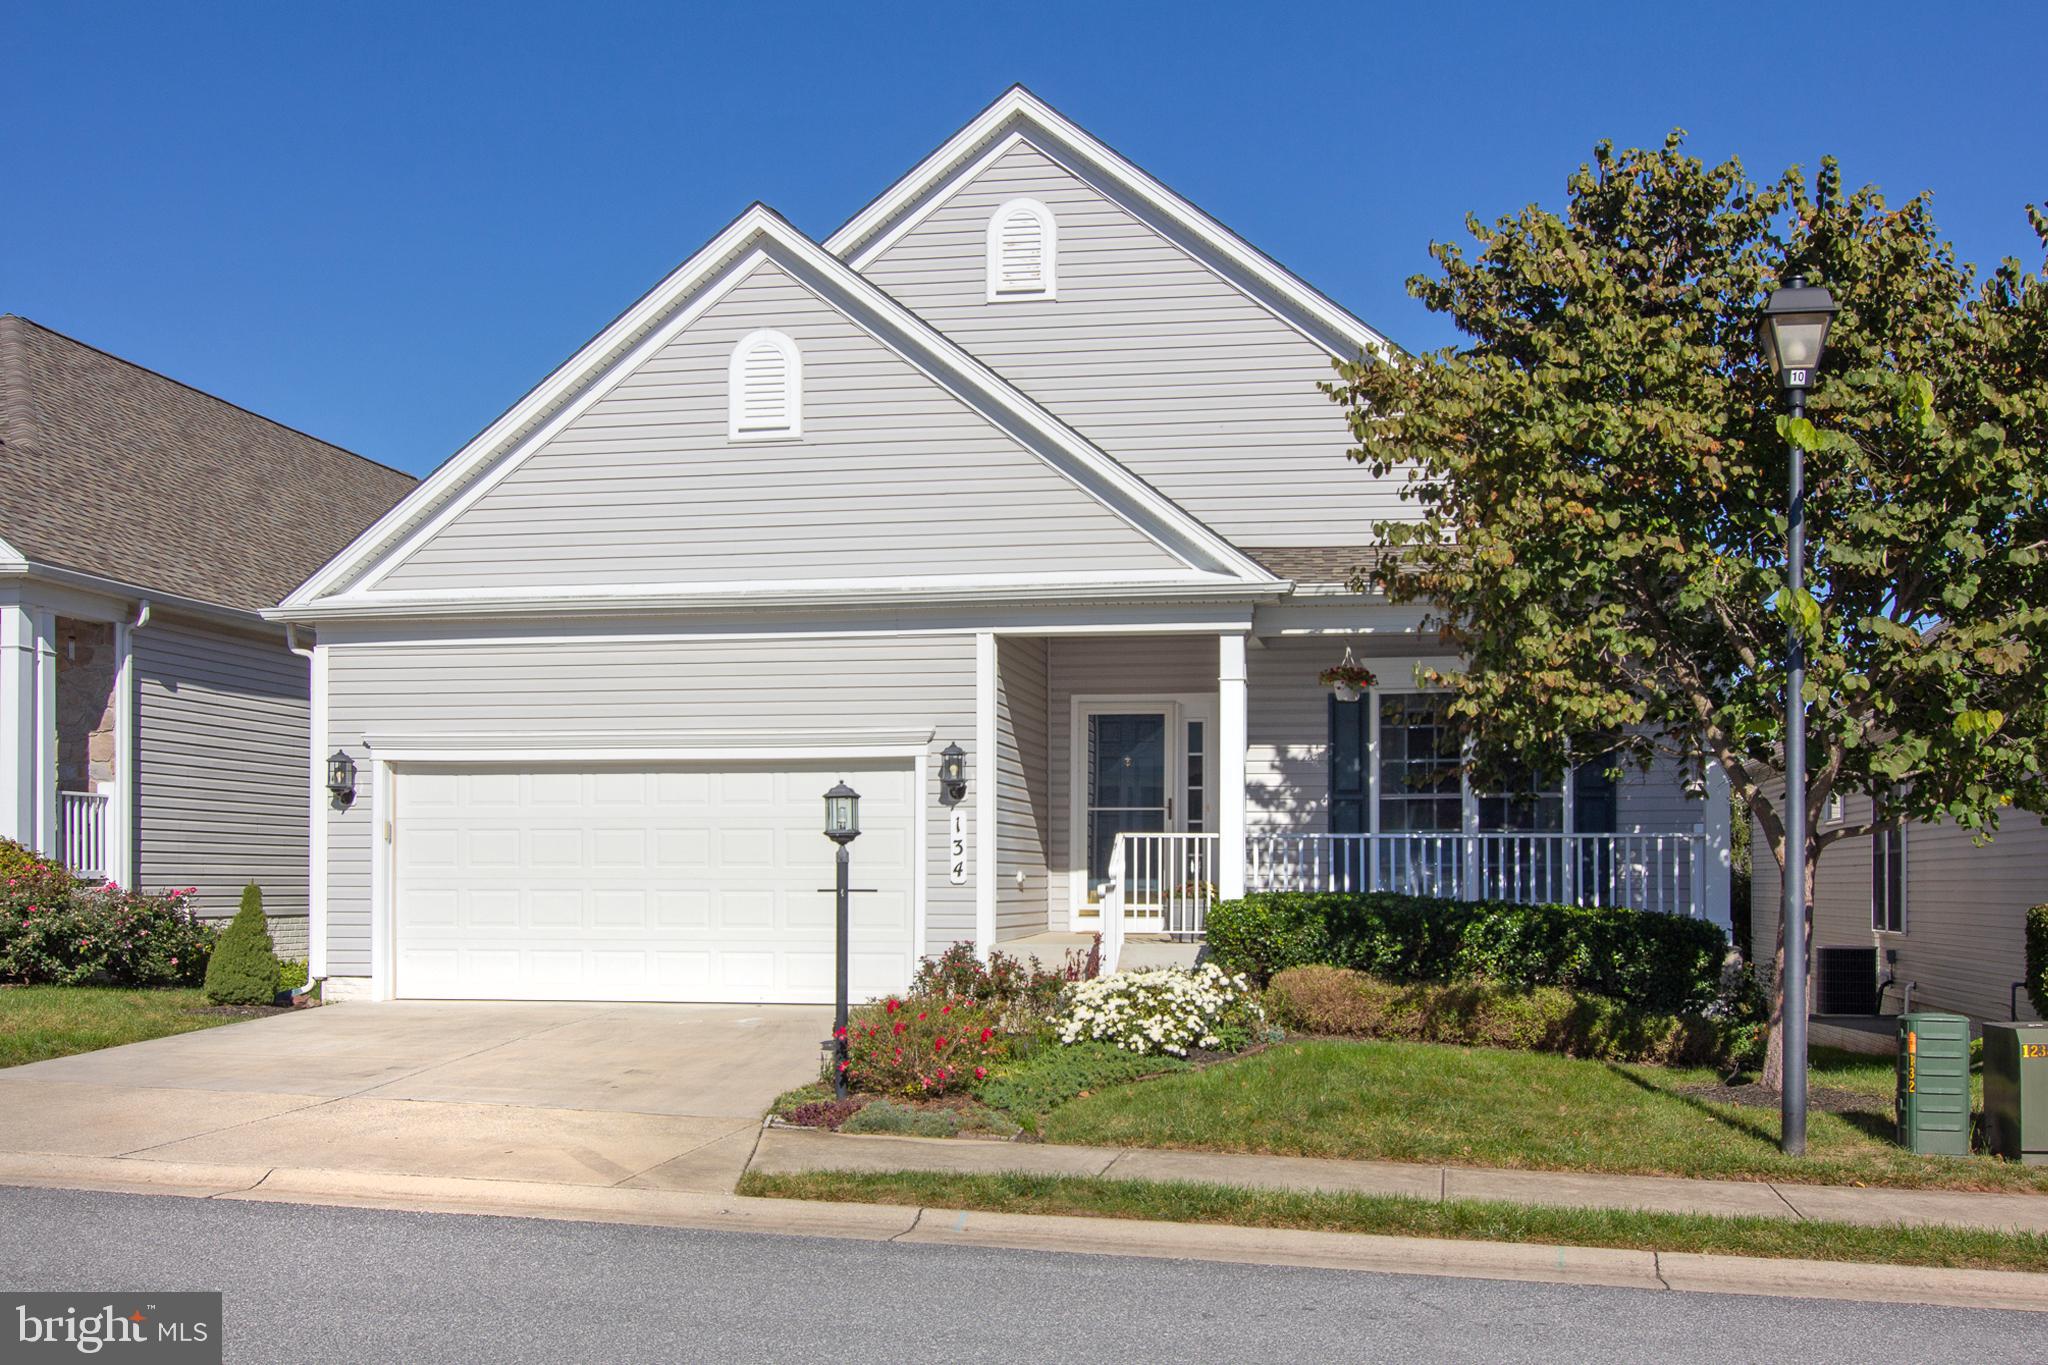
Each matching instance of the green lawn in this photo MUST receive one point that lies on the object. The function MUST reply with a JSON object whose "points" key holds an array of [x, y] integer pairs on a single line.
{"points": [[1486, 1107], [1398, 1217], [39, 1022]]}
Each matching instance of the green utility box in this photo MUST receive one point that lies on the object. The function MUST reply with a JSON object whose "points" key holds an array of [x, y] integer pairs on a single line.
{"points": [[2016, 1092], [1934, 1084]]}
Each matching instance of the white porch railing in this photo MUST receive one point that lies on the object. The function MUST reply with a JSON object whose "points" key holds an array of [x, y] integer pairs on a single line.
{"points": [[82, 832], [1164, 883]]}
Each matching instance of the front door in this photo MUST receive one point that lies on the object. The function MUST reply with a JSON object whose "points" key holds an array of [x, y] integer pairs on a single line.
{"points": [[1129, 788]]}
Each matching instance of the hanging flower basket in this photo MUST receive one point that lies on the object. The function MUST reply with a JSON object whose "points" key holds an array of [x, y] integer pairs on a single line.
{"points": [[1348, 679]]}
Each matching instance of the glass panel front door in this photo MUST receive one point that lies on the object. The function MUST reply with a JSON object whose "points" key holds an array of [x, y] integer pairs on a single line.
{"points": [[1127, 783]]}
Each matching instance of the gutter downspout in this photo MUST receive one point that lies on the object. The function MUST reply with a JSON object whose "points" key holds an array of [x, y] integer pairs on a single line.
{"points": [[291, 641]]}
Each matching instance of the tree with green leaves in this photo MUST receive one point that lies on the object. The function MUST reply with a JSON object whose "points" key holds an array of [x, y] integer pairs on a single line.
{"points": [[1597, 491], [244, 966]]}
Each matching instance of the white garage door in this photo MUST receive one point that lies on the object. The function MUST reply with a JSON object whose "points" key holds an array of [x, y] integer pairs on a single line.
{"points": [[670, 884]]}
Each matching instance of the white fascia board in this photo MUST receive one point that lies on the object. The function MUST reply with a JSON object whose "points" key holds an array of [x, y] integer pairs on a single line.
{"points": [[639, 600], [865, 234], [651, 322], [11, 557]]}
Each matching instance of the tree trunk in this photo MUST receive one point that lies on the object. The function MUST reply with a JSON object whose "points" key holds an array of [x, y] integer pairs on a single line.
{"points": [[1774, 1050]]}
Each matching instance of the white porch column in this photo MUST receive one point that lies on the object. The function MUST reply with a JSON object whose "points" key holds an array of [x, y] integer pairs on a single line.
{"points": [[18, 714], [1233, 738], [987, 866], [1719, 857]]}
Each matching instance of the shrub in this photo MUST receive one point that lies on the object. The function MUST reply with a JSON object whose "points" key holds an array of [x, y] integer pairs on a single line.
{"points": [[291, 974], [55, 931], [2037, 959], [244, 969], [1051, 1076], [1351, 1004], [921, 1045], [1653, 961], [1003, 982], [1165, 1009], [825, 1113], [887, 1116]]}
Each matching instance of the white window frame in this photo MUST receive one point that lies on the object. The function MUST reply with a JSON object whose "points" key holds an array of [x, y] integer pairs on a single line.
{"points": [[1048, 261], [793, 381]]}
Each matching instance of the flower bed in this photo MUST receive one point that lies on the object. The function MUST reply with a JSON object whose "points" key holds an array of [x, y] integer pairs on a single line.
{"points": [[57, 930]]}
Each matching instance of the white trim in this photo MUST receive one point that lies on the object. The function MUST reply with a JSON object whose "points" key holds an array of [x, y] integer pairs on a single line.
{"points": [[1229, 764], [603, 745], [46, 733], [1334, 328], [986, 786], [1047, 286], [387, 766], [124, 804], [792, 424], [967, 591], [10, 556], [18, 723], [515, 435], [319, 818]]}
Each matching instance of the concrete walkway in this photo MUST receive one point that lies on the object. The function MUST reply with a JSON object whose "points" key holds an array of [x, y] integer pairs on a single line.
{"points": [[788, 1151]]}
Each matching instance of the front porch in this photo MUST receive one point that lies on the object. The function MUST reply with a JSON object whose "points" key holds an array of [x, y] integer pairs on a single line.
{"points": [[67, 731], [1138, 780]]}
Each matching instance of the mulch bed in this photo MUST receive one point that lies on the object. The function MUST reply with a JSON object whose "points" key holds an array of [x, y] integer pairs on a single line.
{"points": [[247, 1011], [1754, 1096]]}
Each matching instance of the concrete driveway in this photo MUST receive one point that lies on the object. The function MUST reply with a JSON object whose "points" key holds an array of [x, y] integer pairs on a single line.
{"points": [[641, 1096]]}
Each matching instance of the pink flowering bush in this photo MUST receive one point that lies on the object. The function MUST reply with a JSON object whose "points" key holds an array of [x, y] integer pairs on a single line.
{"points": [[55, 929], [922, 1045]]}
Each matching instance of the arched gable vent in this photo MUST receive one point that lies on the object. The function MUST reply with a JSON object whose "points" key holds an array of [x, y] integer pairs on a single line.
{"points": [[766, 387], [1023, 251]]}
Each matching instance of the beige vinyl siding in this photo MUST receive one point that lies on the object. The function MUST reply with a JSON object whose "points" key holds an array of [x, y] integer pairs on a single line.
{"points": [[1966, 908], [1024, 812], [686, 690], [1150, 354], [223, 740], [892, 477]]}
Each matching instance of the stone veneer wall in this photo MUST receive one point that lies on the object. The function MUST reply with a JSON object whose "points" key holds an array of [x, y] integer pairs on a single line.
{"points": [[87, 672]]}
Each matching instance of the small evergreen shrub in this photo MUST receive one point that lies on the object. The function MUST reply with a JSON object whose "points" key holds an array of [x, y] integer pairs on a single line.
{"points": [[1345, 1003], [244, 969], [1051, 1076], [1653, 961], [2037, 959]]}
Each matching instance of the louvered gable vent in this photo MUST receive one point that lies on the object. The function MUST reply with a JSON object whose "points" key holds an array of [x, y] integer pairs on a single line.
{"points": [[766, 380], [1022, 249]]}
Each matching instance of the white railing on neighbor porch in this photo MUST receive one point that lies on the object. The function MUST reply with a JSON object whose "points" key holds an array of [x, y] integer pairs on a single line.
{"points": [[1164, 883], [82, 832]]}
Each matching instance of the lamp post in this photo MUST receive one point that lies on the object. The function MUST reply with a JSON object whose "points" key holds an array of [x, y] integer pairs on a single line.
{"points": [[842, 827], [1795, 331]]}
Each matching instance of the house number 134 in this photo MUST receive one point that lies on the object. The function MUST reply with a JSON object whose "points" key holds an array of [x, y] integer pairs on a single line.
{"points": [[956, 853]]}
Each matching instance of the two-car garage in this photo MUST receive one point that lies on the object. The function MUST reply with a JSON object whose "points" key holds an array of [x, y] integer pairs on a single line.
{"points": [[683, 882]]}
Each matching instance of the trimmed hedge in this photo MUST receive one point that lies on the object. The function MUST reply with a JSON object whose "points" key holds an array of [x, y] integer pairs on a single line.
{"points": [[1349, 1004], [244, 969], [2037, 959], [1655, 962]]}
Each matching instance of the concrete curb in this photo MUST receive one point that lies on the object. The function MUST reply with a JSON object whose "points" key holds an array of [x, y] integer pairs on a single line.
{"points": [[1656, 1271]]}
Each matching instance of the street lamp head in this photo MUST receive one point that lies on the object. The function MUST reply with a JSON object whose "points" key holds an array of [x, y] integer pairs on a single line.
{"points": [[842, 814], [1795, 330]]}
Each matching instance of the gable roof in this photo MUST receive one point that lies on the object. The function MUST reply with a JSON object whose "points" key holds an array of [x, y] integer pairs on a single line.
{"points": [[116, 471], [347, 583], [1018, 112]]}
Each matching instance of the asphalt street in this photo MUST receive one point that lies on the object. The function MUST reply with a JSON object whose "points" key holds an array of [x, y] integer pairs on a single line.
{"points": [[372, 1286]]}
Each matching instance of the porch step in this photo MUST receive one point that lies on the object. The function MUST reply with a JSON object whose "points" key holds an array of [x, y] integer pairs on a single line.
{"points": [[1140, 950]]}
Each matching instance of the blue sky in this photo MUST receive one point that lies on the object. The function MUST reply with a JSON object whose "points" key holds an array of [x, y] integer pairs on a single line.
{"points": [[382, 223]]}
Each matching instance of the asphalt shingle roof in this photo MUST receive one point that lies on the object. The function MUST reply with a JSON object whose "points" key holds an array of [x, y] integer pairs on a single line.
{"points": [[1316, 564], [111, 469]]}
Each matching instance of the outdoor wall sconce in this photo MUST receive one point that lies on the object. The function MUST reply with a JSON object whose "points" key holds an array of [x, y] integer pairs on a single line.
{"points": [[953, 772], [341, 778]]}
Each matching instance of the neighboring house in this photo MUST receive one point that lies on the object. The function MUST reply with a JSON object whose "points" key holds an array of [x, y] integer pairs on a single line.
{"points": [[1945, 914], [1029, 459], [153, 726]]}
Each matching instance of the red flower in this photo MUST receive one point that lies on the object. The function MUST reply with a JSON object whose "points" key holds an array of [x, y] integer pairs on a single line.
{"points": [[981, 1073], [893, 1005], [987, 1034], [939, 1044], [899, 1026], [945, 1009], [921, 1013]]}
